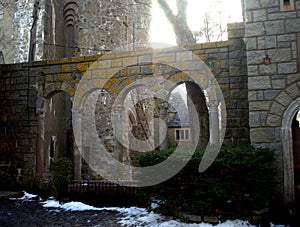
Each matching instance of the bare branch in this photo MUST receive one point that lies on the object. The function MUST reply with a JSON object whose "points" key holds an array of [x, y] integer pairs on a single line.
{"points": [[179, 23]]}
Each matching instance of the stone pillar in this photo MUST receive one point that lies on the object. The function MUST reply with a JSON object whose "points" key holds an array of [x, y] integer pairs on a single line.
{"points": [[163, 115], [76, 163], [214, 122], [76, 153], [122, 143], [40, 111]]}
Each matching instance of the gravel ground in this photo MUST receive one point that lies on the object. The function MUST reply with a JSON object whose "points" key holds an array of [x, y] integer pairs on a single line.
{"points": [[31, 213]]}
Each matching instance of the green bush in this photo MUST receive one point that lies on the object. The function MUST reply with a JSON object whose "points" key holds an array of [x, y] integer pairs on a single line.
{"points": [[238, 182], [60, 175]]}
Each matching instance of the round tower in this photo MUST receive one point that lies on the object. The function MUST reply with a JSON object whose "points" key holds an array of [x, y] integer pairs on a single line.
{"points": [[95, 27]]}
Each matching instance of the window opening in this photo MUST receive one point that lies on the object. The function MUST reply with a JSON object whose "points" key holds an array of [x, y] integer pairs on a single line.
{"points": [[182, 134]]}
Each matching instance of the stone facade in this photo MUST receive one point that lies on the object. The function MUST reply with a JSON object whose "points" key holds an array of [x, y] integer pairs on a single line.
{"points": [[29, 92], [257, 70], [6, 31], [272, 30], [43, 30]]}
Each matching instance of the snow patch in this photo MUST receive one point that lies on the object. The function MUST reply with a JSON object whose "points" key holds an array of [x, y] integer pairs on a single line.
{"points": [[132, 216], [28, 197]]}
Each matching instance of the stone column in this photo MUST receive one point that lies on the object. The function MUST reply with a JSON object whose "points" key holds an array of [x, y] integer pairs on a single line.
{"points": [[76, 153], [76, 163], [214, 122], [40, 159], [163, 115], [40, 111]]}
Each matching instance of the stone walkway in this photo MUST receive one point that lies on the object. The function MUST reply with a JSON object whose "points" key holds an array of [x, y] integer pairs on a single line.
{"points": [[31, 213]]}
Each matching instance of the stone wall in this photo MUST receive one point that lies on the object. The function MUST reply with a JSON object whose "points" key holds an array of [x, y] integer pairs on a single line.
{"points": [[6, 31], [20, 84], [111, 25], [272, 30], [55, 29]]}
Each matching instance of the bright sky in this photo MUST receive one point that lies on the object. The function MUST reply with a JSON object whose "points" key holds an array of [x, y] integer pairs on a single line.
{"points": [[162, 31]]}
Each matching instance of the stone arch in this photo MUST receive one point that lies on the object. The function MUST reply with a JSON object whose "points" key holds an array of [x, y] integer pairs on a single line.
{"points": [[57, 124], [287, 149], [53, 88], [281, 114], [114, 71], [280, 104], [175, 77], [187, 68]]}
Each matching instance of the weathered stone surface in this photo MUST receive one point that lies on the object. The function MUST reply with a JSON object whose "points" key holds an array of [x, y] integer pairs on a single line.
{"points": [[254, 119], [260, 105], [259, 82], [259, 15], [277, 109], [290, 67], [262, 135], [271, 94]]}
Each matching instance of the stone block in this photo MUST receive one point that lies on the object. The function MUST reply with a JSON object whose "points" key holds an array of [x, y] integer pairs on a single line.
{"points": [[275, 27], [252, 70], [254, 119], [255, 57], [259, 15], [284, 98], [290, 67], [259, 82], [291, 78], [262, 135], [271, 94], [282, 15], [277, 109], [292, 25], [55, 69], [286, 38], [251, 43], [280, 55], [272, 10], [278, 84], [269, 3], [255, 29], [267, 69], [259, 105], [273, 120], [293, 91], [269, 41], [252, 95], [255, 4]]}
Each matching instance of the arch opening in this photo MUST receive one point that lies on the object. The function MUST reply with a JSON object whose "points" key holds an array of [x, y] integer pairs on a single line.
{"points": [[57, 128]]}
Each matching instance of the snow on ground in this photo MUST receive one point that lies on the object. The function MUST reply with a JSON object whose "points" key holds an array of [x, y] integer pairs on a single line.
{"points": [[132, 216], [27, 197]]}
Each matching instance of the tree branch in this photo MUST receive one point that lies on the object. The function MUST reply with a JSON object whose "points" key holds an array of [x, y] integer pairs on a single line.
{"points": [[179, 23]]}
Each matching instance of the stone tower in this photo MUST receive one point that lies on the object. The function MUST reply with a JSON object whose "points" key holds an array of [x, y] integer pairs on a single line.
{"points": [[56, 29], [273, 58]]}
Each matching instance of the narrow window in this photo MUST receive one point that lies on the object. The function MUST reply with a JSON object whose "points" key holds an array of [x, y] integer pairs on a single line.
{"points": [[287, 5], [177, 137], [187, 134]]}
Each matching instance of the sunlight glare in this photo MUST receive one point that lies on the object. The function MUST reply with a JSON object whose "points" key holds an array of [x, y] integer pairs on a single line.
{"points": [[162, 32]]}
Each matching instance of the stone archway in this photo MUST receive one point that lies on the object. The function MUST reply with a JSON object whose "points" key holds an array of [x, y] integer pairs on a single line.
{"points": [[56, 136], [287, 149]]}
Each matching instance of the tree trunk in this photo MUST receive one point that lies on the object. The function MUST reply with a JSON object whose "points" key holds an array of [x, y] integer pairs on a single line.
{"points": [[178, 22]]}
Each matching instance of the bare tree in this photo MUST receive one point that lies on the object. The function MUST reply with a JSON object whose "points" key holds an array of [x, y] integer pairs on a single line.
{"points": [[184, 35], [179, 22]]}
